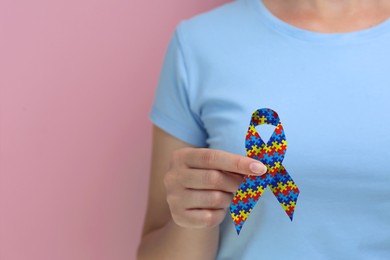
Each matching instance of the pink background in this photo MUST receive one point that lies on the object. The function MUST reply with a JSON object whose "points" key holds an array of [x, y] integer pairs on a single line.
{"points": [[77, 80]]}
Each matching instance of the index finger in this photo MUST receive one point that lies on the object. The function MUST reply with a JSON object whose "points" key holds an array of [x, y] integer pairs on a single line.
{"points": [[203, 158]]}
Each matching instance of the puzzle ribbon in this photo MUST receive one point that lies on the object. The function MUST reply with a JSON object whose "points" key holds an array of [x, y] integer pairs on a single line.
{"points": [[271, 154]]}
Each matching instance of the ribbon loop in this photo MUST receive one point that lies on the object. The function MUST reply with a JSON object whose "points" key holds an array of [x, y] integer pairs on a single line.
{"points": [[271, 154]]}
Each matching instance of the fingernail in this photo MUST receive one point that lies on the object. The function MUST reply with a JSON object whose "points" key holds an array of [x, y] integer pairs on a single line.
{"points": [[257, 168]]}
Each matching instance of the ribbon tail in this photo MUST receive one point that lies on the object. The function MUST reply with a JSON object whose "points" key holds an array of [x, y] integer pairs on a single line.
{"points": [[285, 190], [246, 198]]}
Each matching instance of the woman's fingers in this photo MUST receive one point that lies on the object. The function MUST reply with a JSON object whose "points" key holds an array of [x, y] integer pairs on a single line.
{"points": [[199, 218], [205, 199], [206, 179], [203, 158], [200, 184]]}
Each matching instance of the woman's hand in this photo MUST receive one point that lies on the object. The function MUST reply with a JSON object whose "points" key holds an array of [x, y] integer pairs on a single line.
{"points": [[201, 183]]}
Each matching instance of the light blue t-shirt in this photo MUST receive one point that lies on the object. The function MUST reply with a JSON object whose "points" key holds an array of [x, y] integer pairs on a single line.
{"points": [[332, 94]]}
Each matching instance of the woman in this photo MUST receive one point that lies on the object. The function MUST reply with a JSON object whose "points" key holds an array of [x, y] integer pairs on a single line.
{"points": [[323, 66]]}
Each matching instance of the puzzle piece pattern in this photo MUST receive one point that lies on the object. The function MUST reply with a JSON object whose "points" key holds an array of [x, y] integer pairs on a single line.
{"points": [[277, 178]]}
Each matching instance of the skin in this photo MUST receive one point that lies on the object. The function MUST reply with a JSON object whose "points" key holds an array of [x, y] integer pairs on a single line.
{"points": [[191, 188], [330, 16]]}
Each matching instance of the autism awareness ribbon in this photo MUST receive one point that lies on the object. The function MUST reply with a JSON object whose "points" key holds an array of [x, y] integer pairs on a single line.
{"points": [[271, 154]]}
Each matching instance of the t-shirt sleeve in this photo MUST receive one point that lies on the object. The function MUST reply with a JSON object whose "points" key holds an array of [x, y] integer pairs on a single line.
{"points": [[171, 109]]}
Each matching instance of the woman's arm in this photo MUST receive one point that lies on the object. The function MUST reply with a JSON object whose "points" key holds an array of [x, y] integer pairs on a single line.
{"points": [[161, 237], [190, 190]]}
